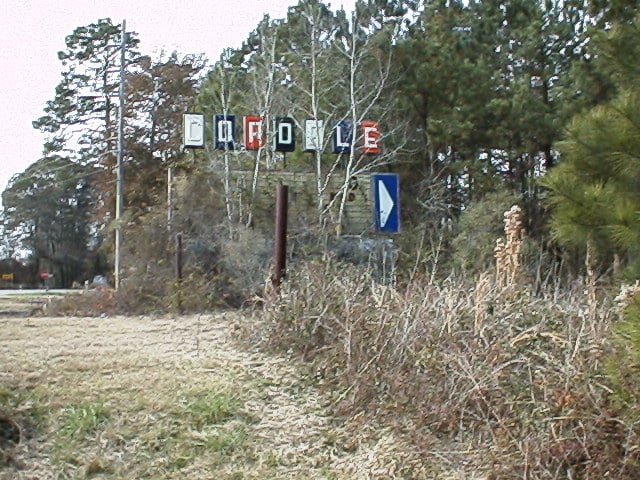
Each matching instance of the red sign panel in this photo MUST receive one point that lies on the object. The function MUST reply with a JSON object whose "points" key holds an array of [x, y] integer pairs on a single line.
{"points": [[253, 132], [371, 137]]}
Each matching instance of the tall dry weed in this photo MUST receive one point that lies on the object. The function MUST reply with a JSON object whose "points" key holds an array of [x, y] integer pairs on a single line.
{"points": [[520, 379], [508, 250]]}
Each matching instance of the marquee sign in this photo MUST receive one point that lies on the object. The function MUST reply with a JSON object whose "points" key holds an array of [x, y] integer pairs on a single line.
{"points": [[284, 134]]}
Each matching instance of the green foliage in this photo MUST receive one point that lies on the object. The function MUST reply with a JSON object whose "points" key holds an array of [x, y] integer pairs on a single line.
{"points": [[472, 96], [211, 408], [81, 420], [47, 211], [594, 192], [477, 230], [211, 423], [90, 76], [623, 363]]}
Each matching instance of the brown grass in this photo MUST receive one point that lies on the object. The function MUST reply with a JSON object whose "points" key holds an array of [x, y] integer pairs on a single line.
{"points": [[144, 397], [515, 385]]}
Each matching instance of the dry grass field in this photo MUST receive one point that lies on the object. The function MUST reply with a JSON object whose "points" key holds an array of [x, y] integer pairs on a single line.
{"points": [[171, 398]]}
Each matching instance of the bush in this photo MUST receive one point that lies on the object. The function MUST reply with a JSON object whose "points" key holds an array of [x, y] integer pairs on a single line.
{"points": [[521, 379], [477, 229]]}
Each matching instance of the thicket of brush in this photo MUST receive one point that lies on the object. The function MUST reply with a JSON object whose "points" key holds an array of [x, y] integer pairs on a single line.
{"points": [[534, 372], [539, 380]]}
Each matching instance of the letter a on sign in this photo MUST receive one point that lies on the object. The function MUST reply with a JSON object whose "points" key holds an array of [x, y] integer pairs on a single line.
{"points": [[224, 128], [253, 135], [193, 130], [342, 136], [285, 139], [371, 137]]}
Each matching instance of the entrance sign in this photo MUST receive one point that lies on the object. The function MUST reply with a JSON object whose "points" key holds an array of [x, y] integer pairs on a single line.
{"points": [[342, 136], [386, 200], [285, 137], [254, 130], [193, 130], [224, 128], [313, 134], [253, 134]]}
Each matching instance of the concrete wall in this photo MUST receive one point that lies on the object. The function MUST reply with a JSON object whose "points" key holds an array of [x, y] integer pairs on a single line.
{"points": [[303, 210]]}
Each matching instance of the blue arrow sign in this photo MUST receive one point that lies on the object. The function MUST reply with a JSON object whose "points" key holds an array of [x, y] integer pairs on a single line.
{"points": [[386, 200]]}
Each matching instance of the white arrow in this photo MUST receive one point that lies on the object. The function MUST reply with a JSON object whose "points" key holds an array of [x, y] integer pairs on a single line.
{"points": [[385, 204]]}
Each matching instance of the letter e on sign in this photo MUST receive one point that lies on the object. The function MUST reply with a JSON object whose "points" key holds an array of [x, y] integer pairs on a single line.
{"points": [[371, 137]]}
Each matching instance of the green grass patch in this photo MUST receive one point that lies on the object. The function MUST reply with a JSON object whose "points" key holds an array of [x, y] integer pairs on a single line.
{"points": [[211, 408], [81, 420]]}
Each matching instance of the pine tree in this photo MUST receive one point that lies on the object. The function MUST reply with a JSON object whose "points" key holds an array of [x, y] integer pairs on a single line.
{"points": [[595, 191]]}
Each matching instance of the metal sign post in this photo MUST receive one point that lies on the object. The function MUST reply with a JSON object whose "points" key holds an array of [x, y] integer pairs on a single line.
{"points": [[280, 251]]}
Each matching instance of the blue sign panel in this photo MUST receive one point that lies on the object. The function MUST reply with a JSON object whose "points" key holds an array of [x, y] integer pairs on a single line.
{"points": [[386, 202], [342, 136], [224, 130]]}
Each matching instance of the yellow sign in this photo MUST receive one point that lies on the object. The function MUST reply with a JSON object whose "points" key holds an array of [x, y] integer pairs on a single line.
{"points": [[7, 276]]}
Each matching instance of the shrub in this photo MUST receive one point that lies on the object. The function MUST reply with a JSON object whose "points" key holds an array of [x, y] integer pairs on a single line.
{"points": [[477, 229], [521, 378]]}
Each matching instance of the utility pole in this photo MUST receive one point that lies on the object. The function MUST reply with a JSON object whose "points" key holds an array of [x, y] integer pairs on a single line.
{"points": [[119, 164], [169, 198]]}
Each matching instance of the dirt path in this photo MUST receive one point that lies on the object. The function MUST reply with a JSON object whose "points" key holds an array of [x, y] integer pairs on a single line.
{"points": [[172, 398]]}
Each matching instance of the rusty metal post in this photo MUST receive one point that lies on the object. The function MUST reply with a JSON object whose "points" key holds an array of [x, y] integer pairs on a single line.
{"points": [[179, 257], [280, 250], [178, 284]]}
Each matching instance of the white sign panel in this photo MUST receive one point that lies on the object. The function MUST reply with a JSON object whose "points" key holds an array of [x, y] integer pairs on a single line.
{"points": [[313, 134], [193, 130]]}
